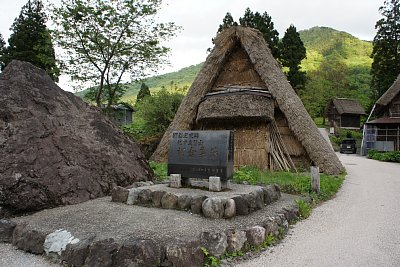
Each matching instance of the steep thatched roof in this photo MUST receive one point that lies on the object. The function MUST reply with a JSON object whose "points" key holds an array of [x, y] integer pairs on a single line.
{"points": [[275, 80], [348, 106], [236, 106], [388, 96]]}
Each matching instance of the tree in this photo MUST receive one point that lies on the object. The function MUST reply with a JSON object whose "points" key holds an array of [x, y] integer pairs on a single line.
{"points": [[30, 39], [265, 25], [227, 22], [106, 41], [386, 48], [144, 91], [292, 53], [330, 80], [2, 51], [158, 110]]}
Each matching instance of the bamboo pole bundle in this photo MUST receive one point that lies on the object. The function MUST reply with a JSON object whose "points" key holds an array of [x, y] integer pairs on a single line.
{"points": [[279, 157]]}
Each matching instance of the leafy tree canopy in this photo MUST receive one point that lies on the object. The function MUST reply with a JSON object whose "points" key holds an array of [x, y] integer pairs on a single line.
{"points": [[330, 80], [144, 91], [105, 41], [386, 48], [159, 110], [30, 39]]}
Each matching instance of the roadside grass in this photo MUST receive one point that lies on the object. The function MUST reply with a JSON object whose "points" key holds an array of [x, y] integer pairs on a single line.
{"points": [[289, 182], [292, 183]]}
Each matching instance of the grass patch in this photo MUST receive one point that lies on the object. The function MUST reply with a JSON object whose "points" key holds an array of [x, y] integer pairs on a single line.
{"points": [[291, 183]]}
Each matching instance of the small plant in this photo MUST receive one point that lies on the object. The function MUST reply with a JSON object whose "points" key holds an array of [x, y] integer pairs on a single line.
{"points": [[304, 208], [269, 241], [281, 233], [209, 260], [160, 170], [250, 174], [237, 253]]}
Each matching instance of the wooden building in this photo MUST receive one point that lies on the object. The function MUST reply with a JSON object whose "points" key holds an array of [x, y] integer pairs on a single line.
{"points": [[382, 133], [344, 113], [241, 87], [122, 114]]}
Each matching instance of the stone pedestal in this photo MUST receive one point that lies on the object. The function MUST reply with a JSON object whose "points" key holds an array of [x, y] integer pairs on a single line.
{"points": [[175, 181], [214, 184]]}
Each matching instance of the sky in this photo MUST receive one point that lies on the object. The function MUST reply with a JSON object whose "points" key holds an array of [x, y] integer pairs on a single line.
{"points": [[200, 19]]}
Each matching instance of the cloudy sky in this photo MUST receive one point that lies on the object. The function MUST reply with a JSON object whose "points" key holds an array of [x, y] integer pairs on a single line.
{"points": [[200, 20]]}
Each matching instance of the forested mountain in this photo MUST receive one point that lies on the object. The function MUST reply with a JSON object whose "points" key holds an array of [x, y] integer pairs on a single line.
{"points": [[337, 64]]}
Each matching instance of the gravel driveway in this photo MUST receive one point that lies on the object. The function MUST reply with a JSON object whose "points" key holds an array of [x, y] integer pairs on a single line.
{"points": [[360, 227]]}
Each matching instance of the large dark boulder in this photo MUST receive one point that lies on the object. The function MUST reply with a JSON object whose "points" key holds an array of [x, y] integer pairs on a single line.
{"points": [[55, 149]]}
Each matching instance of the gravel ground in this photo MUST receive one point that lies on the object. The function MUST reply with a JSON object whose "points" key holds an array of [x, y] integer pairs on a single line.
{"points": [[360, 227], [105, 219], [11, 257]]}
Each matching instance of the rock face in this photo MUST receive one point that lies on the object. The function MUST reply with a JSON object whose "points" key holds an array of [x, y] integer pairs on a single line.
{"points": [[55, 149]]}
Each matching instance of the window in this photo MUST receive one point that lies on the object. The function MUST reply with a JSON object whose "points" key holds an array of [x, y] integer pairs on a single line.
{"points": [[395, 110]]}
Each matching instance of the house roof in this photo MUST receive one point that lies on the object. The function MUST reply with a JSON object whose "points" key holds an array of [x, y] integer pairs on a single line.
{"points": [[270, 73], [348, 106], [388, 96], [123, 106], [385, 120]]}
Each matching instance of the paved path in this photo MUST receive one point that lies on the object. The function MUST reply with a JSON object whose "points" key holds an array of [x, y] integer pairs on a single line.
{"points": [[360, 227], [325, 135]]}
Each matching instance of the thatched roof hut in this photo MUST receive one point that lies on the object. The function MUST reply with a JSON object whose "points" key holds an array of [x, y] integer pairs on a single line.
{"points": [[344, 113], [392, 95], [347, 106], [242, 87], [383, 133]]}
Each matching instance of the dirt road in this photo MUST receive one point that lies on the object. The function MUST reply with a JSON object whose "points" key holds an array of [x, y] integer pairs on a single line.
{"points": [[360, 227]]}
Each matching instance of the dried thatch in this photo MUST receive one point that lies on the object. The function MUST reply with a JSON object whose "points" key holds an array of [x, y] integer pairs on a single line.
{"points": [[388, 96], [346, 106], [269, 72], [236, 106]]}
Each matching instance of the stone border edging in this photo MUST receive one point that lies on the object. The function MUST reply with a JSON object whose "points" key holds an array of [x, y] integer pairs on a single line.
{"points": [[210, 207], [145, 252]]}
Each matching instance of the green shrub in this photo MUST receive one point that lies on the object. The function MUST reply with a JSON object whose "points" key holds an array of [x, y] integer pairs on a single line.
{"points": [[392, 156], [158, 111], [160, 170]]}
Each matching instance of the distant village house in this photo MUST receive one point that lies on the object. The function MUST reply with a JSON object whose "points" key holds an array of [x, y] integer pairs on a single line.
{"points": [[344, 113], [122, 113]]}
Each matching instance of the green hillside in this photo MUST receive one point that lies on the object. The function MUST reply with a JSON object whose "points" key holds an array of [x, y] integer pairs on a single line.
{"points": [[325, 46], [323, 42]]}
